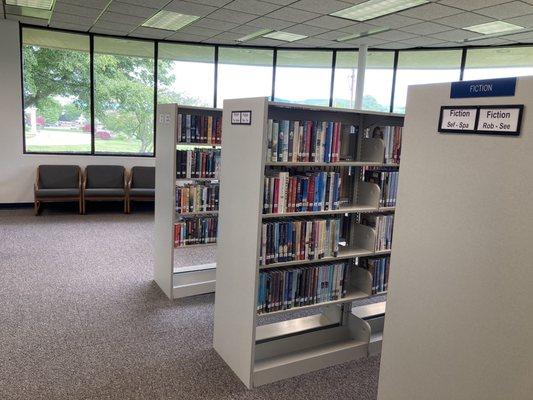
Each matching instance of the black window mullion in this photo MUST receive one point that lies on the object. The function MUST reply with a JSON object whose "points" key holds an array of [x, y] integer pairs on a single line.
{"points": [[274, 62], [156, 56], [332, 83], [91, 81], [394, 71], [463, 64], [215, 91]]}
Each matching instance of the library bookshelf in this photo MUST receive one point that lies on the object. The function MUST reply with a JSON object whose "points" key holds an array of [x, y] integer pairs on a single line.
{"points": [[259, 352], [194, 279]]}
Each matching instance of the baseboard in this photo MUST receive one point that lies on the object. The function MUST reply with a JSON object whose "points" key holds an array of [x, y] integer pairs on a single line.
{"points": [[14, 206]]}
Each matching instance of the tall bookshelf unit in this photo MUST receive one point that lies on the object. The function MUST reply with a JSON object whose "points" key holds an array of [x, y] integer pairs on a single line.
{"points": [[260, 353], [193, 279]]}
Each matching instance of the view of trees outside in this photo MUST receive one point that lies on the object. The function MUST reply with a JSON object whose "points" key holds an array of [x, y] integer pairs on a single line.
{"points": [[345, 83], [499, 62], [378, 81], [56, 94]]}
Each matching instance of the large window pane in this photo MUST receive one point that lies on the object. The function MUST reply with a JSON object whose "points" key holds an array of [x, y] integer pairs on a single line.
{"points": [[499, 62], [418, 67], [378, 80], [56, 91], [345, 79], [124, 96], [186, 74], [243, 73], [303, 77]]}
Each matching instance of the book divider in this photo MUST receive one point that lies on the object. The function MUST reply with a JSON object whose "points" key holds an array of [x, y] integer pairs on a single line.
{"points": [[194, 279], [257, 351]]}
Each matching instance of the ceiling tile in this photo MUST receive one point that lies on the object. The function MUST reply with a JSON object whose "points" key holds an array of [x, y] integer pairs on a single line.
{"points": [[359, 27], [293, 15], [244, 29], [150, 4], [307, 30], [456, 35], [130, 9], [101, 4], [331, 35], [394, 35], [252, 6], [72, 27], [214, 3], [232, 16], [314, 41], [188, 8], [464, 19], [321, 6], [423, 41], [280, 2], [426, 28], [186, 37], [121, 18], [507, 10], [215, 24], [394, 46], [394, 21], [150, 33], [224, 38], [369, 41], [66, 8], [263, 42], [123, 28], [525, 37], [27, 20], [526, 21], [105, 31], [430, 11], [470, 5], [489, 42], [200, 31], [271, 23], [330, 22], [71, 19]]}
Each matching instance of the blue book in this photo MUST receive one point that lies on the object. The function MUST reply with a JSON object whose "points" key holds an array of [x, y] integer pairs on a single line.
{"points": [[327, 147]]}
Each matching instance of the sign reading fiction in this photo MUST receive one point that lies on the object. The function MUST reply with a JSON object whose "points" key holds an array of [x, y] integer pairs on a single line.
{"points": [[494, 120], [483, 88]]}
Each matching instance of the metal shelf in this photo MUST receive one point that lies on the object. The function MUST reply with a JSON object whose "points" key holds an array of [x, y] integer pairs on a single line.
{"points": [[325, 164], [344, 210], [196, 213]]}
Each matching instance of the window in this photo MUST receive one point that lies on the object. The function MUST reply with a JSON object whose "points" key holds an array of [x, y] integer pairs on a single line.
{"points": [[243, 73], [186, 74], [303, 77], [498, 62], [418, 67], [56, 92], [345, 79], [124, 96], [378, 80]]}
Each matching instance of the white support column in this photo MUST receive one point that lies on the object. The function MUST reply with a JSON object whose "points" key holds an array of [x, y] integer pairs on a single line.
{"points": [[361, 68]]}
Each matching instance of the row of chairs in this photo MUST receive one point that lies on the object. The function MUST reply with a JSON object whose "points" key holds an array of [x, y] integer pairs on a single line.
{"points": [[68, 183]]}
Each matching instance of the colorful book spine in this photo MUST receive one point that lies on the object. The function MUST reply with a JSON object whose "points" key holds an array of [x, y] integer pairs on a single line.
{"points": [[193, 231], [392, 137], [383, 226], [379, 269], [197, 163], [387, 180], [283, 289], [199, 129], [298, 240], [197, 198]]}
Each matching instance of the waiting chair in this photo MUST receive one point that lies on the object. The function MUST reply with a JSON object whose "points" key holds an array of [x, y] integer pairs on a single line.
{"points": [[141, 185], [104, 183], [57, 183]]}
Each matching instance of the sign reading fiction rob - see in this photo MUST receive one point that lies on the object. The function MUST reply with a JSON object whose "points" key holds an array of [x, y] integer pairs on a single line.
{"points": [[494, 120], [483, 88]]}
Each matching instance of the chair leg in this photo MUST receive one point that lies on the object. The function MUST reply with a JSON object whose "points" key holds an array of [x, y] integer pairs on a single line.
{"points": [[83, 206], [36, 206], [80, 206], [125, 205]]}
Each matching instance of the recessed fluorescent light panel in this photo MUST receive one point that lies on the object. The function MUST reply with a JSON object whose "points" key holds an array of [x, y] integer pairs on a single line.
{"points": [[376, 8], [284, 36], [254, 35], [491, 28], [169, 20], [42, 4], [362, 34]]}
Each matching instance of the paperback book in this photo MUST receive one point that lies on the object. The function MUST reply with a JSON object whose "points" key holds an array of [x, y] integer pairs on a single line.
{"points": [[197, 197], [197, 163], [282, 289], [199, 129], [379, 269], [191, 231]]}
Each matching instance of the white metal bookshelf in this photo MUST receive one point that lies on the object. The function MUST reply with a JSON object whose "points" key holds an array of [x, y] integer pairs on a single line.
{"points": [[193, 279], [263, 353]]}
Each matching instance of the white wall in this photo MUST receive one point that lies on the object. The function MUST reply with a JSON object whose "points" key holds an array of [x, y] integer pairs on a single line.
{"points": [[17, 170]]}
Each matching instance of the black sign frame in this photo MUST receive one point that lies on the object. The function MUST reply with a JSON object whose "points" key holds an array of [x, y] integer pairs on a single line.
{"points": [[518, 125], [446, 130]]}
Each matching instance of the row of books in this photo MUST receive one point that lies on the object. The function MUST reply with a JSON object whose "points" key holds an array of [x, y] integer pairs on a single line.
{"points": [[379, 268], [197, 197], [193, 231], [387, 180], [383, 225], [297, 239], [303, 141], [283, 289], [316, 191], [199, 129], [392, 136], [197, 163]]}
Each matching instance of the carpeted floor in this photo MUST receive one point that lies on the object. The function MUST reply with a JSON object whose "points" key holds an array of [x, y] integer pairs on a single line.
{"points": [[80, 318]]}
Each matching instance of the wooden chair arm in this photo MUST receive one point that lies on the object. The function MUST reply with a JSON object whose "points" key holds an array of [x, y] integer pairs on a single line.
{"points": [[36, 184]]}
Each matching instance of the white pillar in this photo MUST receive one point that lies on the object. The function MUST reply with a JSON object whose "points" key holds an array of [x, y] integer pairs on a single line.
{"points": [[361, 68]]}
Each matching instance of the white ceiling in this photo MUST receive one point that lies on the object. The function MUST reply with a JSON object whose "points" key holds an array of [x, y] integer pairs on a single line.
{"points": [[437, 24]]}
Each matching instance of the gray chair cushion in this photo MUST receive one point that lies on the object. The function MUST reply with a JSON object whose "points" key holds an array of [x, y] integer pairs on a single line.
{"points": [[143, 177], [43, 193], [106, 192], [58, 176], [105, 176], [141, 192]]}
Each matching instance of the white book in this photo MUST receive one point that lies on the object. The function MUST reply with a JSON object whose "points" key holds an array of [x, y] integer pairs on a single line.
{"points": [[269, 140]]}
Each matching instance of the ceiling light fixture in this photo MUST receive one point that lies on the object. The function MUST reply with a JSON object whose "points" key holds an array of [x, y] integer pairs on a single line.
{"points": [[169, 20], [491, 28], [284, 36], [254, 35], [41, 4], [376, 8], [362, 34]]}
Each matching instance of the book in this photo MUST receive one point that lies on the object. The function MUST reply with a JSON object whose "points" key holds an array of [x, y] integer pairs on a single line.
{"points": [[193, 231], [283, 289], [198, 163], [392, 138], [194, 197], [387, 180], [379, 269], [199, 129], [383, 226]]}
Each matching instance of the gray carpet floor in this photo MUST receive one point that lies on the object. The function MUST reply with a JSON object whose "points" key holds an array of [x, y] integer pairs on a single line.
{"points": [[80, 318]]}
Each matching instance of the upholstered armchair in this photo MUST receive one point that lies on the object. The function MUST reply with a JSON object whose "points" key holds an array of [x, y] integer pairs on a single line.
{"points": [[57, 183]]}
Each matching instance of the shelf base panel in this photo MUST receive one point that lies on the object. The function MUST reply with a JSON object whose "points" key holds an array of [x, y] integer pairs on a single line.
{"points": [[194, 281]]}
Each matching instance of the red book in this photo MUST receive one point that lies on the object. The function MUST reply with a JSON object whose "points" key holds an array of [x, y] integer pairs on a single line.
{"points": [[275, 196], [310, 194], [308, 136]]}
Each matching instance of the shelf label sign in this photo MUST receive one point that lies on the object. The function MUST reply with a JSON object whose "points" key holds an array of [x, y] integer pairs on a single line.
{"points": [[458, 119], [241, 117], [500, 119], [483, 88]]}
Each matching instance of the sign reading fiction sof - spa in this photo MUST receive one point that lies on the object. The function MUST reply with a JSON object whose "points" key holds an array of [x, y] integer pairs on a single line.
{"points": [[494, 120]]}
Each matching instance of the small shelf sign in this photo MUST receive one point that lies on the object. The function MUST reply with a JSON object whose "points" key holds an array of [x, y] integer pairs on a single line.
{"points": [[241, 117], [458, 119]]}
